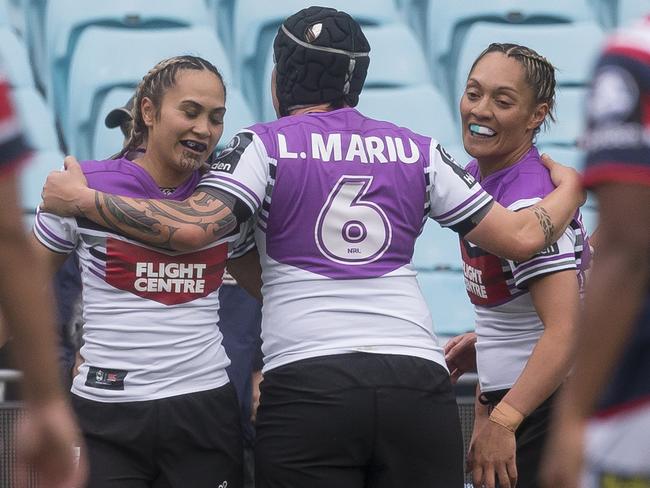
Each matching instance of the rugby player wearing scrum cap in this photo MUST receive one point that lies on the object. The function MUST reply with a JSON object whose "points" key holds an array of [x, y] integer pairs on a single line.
{"points": [[356, 392]]}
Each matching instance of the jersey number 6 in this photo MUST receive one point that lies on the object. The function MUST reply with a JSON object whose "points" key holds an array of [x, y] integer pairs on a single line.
{"points": [[349, 229]]}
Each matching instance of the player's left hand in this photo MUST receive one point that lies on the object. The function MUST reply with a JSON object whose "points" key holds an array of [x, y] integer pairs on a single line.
{"points": [[492, 457], [460, 354], [561, 174]]}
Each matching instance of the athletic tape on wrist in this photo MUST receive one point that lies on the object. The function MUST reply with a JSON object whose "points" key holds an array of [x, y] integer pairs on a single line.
{"points": [[506, 416]]}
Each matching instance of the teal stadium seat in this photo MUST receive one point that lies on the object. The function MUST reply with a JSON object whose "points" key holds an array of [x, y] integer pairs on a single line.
{"points": [[15, 61], [551, 40], [66, 20], [32, 179], [107, 142], [569, 156], [448, 21], [631, 10], [91, 80], [445, 294], [34, 12], [437, 249], [256, 23], [397, 67], [421, 108]]}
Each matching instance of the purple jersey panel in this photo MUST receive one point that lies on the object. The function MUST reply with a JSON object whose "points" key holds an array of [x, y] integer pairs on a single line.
{"points": [[348, 193], [126, 178]]}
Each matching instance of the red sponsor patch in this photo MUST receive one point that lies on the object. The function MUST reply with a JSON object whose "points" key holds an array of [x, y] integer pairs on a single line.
{"points": [[163, 278], [484, 277]]}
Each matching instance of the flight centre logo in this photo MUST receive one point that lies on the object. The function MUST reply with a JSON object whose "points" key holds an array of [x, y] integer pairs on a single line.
{"points": [[164, 278], [229, 157]]}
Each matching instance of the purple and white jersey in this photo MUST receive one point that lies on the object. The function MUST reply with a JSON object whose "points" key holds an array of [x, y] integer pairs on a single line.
{"points": [[150, 315], [340, 200], [507, 324]]}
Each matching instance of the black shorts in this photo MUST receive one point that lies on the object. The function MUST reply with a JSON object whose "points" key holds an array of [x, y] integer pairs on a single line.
{"points": [[358, 421], [187, 440], [530, 438]]}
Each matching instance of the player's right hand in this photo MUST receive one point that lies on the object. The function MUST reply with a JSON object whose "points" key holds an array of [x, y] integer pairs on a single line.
{"points": [[63, 190]]}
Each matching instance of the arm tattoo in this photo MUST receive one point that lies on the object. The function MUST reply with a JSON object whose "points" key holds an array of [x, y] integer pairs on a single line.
{"points": [[545, 223], [157, 221]]}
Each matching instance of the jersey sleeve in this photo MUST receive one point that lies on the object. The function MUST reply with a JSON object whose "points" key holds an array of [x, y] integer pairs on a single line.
{"points": [[246, 240], [618, 117], [454, 194], [13, 148], [241, 170], [559, 256], [58, 234]]}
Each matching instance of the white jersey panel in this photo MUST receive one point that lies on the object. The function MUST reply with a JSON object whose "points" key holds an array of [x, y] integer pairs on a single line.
{"points": [[150, 316]]}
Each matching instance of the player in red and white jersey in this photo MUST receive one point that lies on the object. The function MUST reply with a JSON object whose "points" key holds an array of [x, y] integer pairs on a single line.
{"points": [[606, 405], [48, 437], [152, 349]]}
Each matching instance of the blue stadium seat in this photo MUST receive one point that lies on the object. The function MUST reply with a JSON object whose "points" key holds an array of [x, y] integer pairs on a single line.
{"points": [[421, 108], [238, 115], [15, 61], [256, 23], [445, 294], [631, 10], [437, 249], [448, 20], [94, 70], [569, 110], [414, 12], [34, 12], [37, 119], [67, 19], [396, 61], [4, 14], [105, 141], [568, 156], [33, 175], [396, 58], [550, 40]]}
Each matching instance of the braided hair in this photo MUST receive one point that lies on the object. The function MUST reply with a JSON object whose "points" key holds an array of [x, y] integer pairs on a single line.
{"points": [[154, 85], [539, 72]]}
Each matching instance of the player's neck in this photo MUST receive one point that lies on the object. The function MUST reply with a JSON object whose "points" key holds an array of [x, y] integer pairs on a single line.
{"points": [[309, 109]]}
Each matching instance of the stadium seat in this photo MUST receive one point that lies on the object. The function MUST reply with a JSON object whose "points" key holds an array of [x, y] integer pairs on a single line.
{"points": [[420, 108], [95, 70], [570, 117], [33, 175], [4, 14], [396, 61], [105, 141], [34, 12], [238, 116], [568, 156], [37, 119], [550, 40], [445, 294], [448, 20], [256, 23], [437, 249], [414, 12], [67, 19], [630, 10], [15, 61]]}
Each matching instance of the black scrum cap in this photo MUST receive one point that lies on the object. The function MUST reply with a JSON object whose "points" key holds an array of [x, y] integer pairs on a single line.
{"points": [[321, 55]]}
